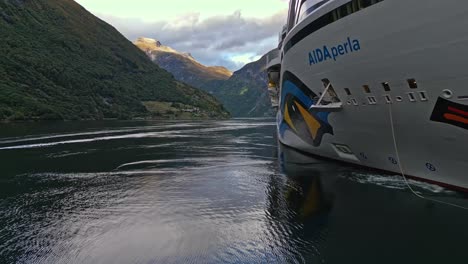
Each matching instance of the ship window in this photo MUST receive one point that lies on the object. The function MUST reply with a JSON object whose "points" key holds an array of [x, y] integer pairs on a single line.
{"points": [[386, 86], [307, 7], [348, 92], [422, 96], [388, 99], [366, 88], [326, 19], [399, 98], [412, 83], [364, 3], [411, 97], [301, 11], [345, 10], [354, 101], [367, 3], [447, 94], [335, 16], [349, 8]]}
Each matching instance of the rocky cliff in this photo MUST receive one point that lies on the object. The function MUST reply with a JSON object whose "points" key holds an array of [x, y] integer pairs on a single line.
{"points": [[182, 65], [243, 93]]}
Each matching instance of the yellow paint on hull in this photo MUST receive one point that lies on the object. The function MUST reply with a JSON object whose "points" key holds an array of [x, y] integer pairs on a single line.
{"points": [[312, 124], [287, 118]]}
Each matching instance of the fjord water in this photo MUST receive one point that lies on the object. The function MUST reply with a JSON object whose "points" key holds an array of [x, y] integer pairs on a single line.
{"points": [[206, 192]]}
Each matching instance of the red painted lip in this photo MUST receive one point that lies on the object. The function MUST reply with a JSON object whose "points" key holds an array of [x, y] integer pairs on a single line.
{"points": [[448, 186], [458, 111], [445, 185], [456, 118]]}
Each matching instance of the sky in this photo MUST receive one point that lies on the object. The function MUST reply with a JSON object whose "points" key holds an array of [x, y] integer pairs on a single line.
{"points": [[228, 33]]}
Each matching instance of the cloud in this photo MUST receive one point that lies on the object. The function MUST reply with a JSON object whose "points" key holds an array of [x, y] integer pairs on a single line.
{"points": [[216, 40]]}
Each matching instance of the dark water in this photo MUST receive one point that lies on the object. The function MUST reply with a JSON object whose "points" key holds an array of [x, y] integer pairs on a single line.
{"points": [[207, 192]]}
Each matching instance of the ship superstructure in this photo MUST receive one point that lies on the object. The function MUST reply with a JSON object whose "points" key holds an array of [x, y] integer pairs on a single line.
{"points": [[378, 83]]}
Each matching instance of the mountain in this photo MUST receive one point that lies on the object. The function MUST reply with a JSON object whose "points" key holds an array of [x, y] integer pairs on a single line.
{"points": [[243, 94], [182, 65], [58, 61]]}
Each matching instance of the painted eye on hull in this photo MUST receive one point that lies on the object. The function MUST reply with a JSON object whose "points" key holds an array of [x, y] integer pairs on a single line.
{"points": [[310, 127]]}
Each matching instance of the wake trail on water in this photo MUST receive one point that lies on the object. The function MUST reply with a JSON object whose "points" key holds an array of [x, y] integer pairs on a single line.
{"points": [[187, 133]]}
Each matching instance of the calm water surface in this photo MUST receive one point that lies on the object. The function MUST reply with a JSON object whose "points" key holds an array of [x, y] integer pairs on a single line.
{"points": [[207, 192]]}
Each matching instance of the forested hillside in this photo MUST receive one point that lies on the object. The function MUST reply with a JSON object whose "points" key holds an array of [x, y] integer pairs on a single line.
{"points": [[58, 61]]}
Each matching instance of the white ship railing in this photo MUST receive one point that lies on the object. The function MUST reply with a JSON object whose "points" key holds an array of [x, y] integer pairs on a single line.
{"points": [[274, 54], [335, 104]]}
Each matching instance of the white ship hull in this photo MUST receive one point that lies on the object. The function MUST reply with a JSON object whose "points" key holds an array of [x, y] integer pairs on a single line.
{"points": [[394, 41]]}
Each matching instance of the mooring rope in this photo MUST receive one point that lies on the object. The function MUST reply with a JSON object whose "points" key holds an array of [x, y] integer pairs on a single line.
{"points": [[403, 173]]}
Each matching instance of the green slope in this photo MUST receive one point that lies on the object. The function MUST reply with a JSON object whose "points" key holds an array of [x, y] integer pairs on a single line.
{"points": [[58, 61], [245, 94]]}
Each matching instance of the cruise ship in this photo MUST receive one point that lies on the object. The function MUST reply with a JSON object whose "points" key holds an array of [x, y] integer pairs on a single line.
{"points": [[377, 83]]}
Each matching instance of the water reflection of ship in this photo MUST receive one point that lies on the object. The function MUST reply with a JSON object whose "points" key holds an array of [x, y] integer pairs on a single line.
{"points": [[341, 220], [306, 191], [299, 204]]}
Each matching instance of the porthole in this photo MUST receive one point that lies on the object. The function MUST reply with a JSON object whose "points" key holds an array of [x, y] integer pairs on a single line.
{"points": [[399, 98], [411, 97], [412, 83], [386, 86], [430, 167], [349, 102], [447, 94]]}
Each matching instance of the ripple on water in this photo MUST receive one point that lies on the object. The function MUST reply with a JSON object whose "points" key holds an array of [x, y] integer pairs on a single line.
{"points": [[396, 182], [168, 192]]}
